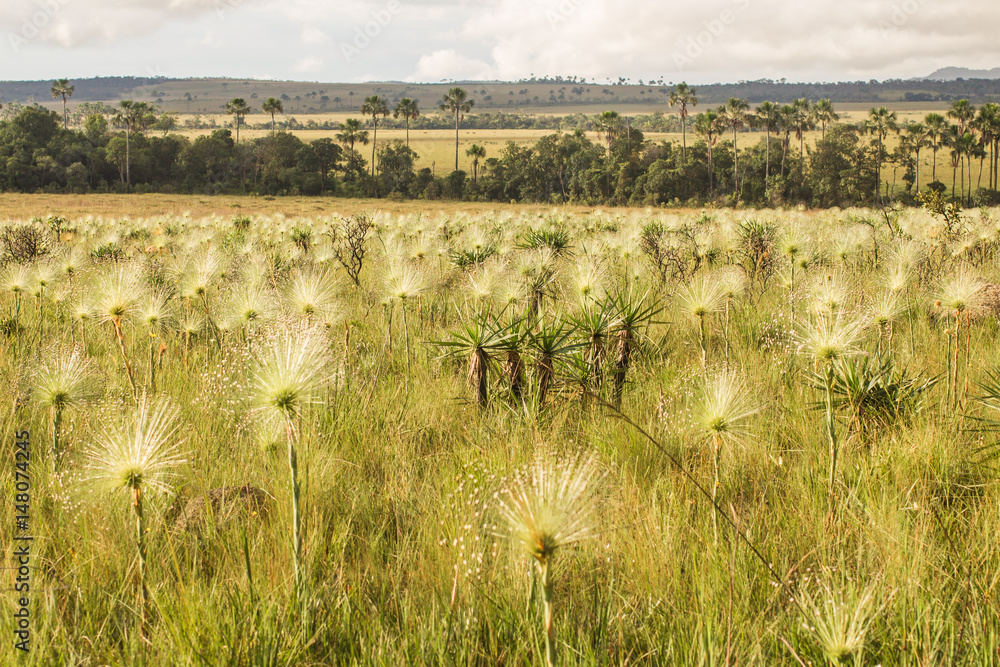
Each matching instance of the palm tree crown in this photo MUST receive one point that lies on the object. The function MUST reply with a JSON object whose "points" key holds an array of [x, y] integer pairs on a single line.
{"points": [[273, 106], [408, 110], [238, 107], [61, 88]]}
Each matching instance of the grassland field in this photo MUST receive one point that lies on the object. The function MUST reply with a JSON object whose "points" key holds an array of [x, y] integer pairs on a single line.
{"points": [[510, 435]]}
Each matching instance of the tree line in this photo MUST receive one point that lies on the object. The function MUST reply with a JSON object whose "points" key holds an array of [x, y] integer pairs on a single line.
{"points": [[131, 148]]}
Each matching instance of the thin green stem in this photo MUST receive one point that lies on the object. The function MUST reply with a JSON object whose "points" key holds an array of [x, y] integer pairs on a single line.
{"points": [[831, 429], [293, 468], [550, 649]]}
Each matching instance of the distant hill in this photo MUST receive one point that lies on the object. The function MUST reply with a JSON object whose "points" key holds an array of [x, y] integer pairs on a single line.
{"points": [[553, 95], [101, 89], [952, 73]]}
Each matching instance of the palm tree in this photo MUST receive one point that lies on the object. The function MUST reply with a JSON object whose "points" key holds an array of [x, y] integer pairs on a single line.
{"points": [[961, 147], [238, 107], [409, 110], [351, 133], [375, 106], [273, 106], [880, 123], [61, 88], [455, 103], [787, 116], [767, 117], [608, 125], [963, 112], [681, 96], [803, 122], [131, 116], [916, 136], [824, 113], [937, 131], [707, 124], [476, 152], [735, 114], [988, 126]]}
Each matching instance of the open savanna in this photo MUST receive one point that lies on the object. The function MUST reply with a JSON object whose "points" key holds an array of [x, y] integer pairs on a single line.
{"points": [[24, 207], [261, 434]]}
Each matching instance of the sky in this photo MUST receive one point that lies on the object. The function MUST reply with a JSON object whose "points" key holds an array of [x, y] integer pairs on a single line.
{"points": [[440, 40]]}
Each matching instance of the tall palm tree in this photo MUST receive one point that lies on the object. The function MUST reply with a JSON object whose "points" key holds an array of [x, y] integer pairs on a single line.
{"points": [[409, 110], [61, 88], [823, 113], [787, 118], [476, 152], [707, 125], [916, 138], [803, 122], [767, 117], [736, 114], [962, 145], [375, 106], [608, 125], [350, 134], [937, 133], [880, 123], [681, 96], [238, 107], [273, 106], [131, 116], [988, 126], [457, 104], [963, 112]]}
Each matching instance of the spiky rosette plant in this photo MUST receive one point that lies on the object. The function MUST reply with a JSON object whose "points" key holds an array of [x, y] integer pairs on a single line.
{"points": [[477, 341], [548, 508], [64, 380], [138, 455], [632, 315], [595, 324], [289, 372]]}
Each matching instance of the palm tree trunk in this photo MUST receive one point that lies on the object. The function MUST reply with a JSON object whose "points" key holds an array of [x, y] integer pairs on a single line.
{"points": [[767, 156], [684, 142], [456, 141], [934, 163], [128, 173], [736, 167], [916, 170], [374, 142]]}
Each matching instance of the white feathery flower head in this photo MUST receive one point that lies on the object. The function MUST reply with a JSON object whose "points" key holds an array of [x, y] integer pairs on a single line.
{"points": [[552, 504], [141, 452], [290, 369]]}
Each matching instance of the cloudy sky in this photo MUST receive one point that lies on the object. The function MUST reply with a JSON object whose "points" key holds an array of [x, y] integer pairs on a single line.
{"points": [[435, 40]]}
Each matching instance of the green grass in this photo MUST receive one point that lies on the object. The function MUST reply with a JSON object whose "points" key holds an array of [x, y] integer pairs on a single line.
{"points": [[402, 563]]}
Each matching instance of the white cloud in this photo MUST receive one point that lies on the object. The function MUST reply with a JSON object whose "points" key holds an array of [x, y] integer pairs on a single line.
{"points": [[308, 65], [430, 40], [449, 64], [313, 35]]}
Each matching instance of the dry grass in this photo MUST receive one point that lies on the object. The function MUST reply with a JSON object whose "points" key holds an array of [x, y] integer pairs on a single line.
{"points": [[21, 207]]}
